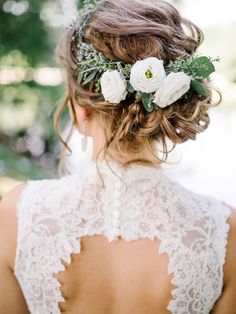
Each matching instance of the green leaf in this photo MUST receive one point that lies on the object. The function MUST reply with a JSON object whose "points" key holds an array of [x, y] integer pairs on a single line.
{"points": [[150, 107], [147, 102], [203, 67], [130, 88], [146, 97], [90, 77], [91, 69], [75, 70], [199, 88], [80, 77]]}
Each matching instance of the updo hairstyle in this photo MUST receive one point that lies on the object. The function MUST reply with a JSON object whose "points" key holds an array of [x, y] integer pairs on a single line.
{"points": [[130, 31]]}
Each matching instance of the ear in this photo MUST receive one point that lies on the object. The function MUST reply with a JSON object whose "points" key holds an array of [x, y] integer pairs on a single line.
{"points": [[88, 113], [82, 114]]}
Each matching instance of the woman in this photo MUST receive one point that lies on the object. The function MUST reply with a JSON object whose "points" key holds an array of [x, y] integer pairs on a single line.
{"points": [[122, 237]]}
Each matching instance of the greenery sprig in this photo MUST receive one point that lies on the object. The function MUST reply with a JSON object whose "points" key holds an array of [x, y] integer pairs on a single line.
{"points": [[89, 70], [197, 67]]}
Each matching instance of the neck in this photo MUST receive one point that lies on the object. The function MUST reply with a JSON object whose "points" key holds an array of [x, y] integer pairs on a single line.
{"points": [[99, 142]]}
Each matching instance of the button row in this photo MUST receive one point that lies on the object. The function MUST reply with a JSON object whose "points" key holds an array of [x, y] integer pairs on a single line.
{"points": [[116, 213], [117, 203]]}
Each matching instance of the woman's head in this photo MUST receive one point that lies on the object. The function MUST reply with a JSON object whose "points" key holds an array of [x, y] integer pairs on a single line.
{"points": [[129, 31]]}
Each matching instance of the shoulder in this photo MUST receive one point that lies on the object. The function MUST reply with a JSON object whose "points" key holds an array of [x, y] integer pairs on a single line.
{"points": [[35, 193], [8, 205], [23, 193], [11, 198], [48, 192], [8, 223], [230, 262], [19, 205], [195, 203]]}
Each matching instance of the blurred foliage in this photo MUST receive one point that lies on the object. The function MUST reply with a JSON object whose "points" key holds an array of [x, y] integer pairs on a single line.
{"points": [[25, 33], [29, 32]]}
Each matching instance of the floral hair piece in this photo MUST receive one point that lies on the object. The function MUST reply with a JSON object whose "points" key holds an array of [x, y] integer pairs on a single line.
{"points": [[151, 81]]}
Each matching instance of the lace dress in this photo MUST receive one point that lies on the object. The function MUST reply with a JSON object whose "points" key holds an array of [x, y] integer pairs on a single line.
{"points": [[137, 202]]}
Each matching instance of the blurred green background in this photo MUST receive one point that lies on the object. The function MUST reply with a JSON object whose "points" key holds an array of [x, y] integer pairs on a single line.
{"points": [[32, 84]]}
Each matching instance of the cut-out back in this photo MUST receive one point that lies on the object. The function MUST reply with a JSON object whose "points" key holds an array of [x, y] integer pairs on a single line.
{"points": [[115, 277], [139, 241]]}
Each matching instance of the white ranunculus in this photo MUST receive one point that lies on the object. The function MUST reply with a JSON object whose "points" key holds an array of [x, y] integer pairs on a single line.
{"points": [[114, 87], [174, 87], [147, 75]]}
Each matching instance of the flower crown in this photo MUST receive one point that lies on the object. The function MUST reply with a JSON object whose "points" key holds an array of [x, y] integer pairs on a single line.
{"points": [[149, 80]]}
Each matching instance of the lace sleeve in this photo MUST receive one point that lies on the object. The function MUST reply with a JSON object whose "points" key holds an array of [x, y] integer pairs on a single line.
{"points": [[221, 215], [195, 240], [42, 241]]}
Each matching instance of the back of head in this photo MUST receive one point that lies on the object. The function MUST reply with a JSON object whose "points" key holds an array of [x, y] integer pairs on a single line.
{"points": [[129, 31]]}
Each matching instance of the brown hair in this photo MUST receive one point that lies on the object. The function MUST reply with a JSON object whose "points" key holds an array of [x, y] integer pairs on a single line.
{"points": [[130, 31]]}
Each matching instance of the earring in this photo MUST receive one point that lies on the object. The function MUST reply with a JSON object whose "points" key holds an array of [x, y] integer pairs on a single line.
{"points": [[85, 137]]}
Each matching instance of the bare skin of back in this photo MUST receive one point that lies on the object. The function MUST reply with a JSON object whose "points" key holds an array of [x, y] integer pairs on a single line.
{"points": [[117, 277], [106, 278]]}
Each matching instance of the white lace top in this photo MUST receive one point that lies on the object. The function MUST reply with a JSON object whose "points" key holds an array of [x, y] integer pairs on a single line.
{"points": [[141, 202]]}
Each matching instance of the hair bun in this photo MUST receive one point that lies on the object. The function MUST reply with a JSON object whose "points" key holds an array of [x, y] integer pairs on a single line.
{"points": [[130, 31]]}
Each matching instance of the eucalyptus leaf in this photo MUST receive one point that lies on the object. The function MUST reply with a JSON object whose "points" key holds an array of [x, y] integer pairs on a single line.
{"points": [[90, 77], [146, 98], [130, 88], [203, 67], [149, 106], [147, 102], [199, 88]]}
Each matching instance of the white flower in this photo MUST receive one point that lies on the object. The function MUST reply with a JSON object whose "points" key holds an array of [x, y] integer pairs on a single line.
{"points": [[114, 87], [174, 87], [147, 75]]}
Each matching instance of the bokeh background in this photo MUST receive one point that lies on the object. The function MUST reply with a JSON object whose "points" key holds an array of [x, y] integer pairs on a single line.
{"points": [[32, 85]]}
